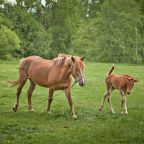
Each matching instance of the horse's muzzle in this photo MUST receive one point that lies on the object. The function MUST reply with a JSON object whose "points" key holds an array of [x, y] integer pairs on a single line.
{"points": [[82, 82]]}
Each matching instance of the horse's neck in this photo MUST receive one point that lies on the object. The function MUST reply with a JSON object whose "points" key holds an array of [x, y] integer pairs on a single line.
{"points": [[64, 73]]}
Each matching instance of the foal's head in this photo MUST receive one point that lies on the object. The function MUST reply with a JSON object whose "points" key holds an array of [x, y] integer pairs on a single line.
{"points": [[77, 70], [130, 84]]}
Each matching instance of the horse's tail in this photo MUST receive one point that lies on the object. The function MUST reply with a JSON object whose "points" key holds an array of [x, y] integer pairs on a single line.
{"points": [[13, 82], [111, 70]]}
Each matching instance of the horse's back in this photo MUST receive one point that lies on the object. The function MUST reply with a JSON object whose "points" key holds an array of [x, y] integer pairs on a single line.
{"points": [[35, 68], [30, 59], [26, 62]]}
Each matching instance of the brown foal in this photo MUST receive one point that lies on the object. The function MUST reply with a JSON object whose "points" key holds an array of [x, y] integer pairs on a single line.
{"points": [[124, 83], [53, 74]]}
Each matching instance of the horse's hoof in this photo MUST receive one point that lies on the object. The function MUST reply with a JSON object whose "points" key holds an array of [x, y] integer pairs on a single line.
{"points": [[74, 116], [121, 112], [14, 109]]}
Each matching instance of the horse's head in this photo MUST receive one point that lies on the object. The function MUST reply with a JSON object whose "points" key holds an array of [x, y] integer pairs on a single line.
{"points": [[77, 70]]}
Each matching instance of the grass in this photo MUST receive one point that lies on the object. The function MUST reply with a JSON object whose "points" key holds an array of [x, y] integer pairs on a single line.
{"points": [[91, 126]]}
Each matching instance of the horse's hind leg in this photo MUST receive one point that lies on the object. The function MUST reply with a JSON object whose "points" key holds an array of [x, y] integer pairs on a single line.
{"points": [[29, 93], [22, 81]]}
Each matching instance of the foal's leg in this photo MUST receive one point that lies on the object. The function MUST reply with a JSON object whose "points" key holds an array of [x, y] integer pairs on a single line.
{"points": [[50, 98], [123, 102], [102, 104], [69, 98], [107, 95], [22, 81], [29, 93], [109, 101], [125, 105]]}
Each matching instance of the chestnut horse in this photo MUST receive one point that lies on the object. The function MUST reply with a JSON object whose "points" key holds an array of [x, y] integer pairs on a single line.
{"points": [[53, 74]]}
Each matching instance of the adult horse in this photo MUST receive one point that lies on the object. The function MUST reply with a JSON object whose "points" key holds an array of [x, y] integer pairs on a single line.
{"points": [[53, 74]]}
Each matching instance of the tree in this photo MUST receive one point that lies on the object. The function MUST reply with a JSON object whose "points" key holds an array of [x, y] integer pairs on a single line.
{"points": [[9, 42], [116, 31]]}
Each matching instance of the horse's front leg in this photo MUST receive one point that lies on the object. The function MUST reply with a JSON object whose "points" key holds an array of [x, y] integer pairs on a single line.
{"points": [[50, 98], [69, 98]]}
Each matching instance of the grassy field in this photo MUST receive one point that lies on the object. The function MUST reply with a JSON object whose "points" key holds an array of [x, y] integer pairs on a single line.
{"points": [[91, 126]]}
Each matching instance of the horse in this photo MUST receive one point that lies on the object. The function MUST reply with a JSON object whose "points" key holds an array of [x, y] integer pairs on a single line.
{"points": [[55, 74]]}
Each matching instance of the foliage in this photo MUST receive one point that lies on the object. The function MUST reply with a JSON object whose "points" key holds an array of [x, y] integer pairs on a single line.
{"points": [[9, 40], [118, 37], [102, 30]]}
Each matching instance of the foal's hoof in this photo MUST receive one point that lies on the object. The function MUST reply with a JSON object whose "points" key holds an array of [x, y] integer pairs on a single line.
{"points": [[74, 116], [112, 112], [49, 112], [31, 110], [14, 109], [126, 112], [100, 109]]}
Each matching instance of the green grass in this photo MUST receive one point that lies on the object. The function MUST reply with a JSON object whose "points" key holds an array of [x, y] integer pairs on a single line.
{"points": [[91, 126]]}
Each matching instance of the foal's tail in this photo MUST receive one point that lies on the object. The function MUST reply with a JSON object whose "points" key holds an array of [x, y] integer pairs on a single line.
{"points": [[13, 83], [111, 70]]}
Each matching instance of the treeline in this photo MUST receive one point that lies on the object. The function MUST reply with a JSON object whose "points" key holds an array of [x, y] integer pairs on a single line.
{"points": [[101, 30]]}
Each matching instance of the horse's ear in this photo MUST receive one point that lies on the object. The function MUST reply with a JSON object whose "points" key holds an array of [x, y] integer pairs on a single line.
{"points": [[82, 58], [73, 59]]}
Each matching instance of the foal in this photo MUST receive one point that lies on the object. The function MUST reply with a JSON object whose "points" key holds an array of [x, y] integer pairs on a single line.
{"points": [[124, 83], [53, 74]]}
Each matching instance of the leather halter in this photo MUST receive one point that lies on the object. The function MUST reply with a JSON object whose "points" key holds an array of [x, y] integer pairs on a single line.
{"points": [[78, 78]]}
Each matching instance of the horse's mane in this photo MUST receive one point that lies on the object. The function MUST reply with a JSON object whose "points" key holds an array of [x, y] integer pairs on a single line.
{"points": [[127, 76], [62, 59], [59, 60]]}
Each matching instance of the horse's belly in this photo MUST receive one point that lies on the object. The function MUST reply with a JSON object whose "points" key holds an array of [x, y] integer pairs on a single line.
{"points": [[40, 82], [60, 87], [39, 77]]}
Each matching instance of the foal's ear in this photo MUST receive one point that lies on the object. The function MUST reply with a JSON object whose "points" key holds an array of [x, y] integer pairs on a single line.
{"points": [[132, 79], [129, 79], [73, 59], [82, 58], [135, 80]]}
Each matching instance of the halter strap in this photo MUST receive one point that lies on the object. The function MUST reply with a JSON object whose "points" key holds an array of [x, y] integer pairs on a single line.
{"points": [[78, 78]]}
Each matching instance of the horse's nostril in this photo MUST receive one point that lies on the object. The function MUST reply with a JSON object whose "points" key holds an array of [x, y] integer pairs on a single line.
{"points": [[128, 93], [82, 83]]}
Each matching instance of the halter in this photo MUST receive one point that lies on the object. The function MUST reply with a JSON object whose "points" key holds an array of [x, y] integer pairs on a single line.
{"points": [[78, 78]]}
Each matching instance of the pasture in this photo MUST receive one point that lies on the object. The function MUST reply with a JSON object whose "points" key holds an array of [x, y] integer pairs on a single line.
{"points": [[91, 126]]}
